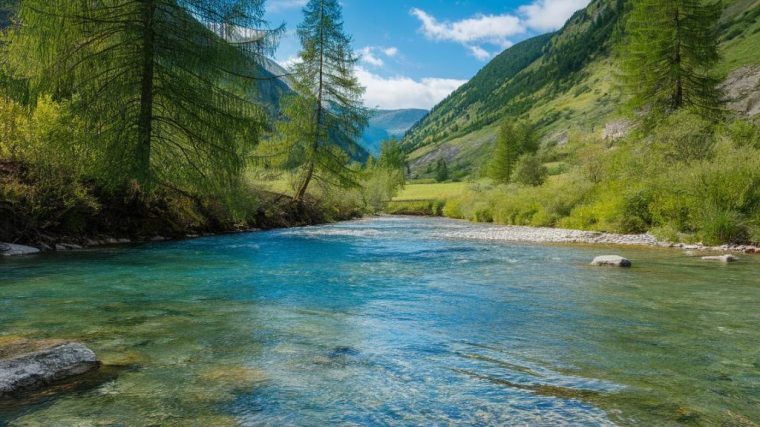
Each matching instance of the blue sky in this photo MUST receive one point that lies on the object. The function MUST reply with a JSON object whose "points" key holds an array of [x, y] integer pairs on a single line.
{"points": [[415, 52]]}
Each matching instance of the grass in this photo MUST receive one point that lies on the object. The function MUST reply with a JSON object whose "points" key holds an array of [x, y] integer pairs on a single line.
{"points": [[432, 191]]}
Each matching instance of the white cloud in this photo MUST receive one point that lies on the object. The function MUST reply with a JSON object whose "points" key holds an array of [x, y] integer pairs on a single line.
{"points": [[277, 5], [369, 57], [371, 54], [550, 15], [493, 29], [479, 52], [390, 51], [496, 30], [404, 92]]}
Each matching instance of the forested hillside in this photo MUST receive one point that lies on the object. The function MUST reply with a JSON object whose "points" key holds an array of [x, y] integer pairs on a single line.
{"points": [[637, 116], [560, 82]]}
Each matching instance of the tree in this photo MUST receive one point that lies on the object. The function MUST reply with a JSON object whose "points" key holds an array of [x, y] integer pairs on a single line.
{"points": [[391, 155], [441, 170], [515, 139], [530, 171], [670, 48], [328, 104], [162, 84]]}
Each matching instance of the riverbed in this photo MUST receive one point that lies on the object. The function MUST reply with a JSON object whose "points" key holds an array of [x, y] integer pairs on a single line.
{"points": [[391, 321]]}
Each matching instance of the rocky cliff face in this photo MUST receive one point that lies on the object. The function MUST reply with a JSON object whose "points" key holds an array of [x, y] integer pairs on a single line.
{"points": [[742, 90]]}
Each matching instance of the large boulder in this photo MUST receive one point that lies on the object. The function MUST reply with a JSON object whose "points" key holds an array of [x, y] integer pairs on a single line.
{"points": [[27, 366], [10, 249], [611, 261]]}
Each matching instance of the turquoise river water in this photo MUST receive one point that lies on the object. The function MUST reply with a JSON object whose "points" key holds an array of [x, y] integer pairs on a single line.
{"points": [[389, 321]]}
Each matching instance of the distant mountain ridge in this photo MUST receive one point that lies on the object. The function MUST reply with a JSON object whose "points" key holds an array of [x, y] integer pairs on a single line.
{"points": [[386, 124]]}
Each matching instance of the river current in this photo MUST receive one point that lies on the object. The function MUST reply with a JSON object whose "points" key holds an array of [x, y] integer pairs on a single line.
{"points": [[390, 321]]}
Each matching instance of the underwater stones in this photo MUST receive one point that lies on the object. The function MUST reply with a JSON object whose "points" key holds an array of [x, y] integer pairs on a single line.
{"points": [[27, 366], [10, 249], [67, 247], [611, 261], [722, 258]]}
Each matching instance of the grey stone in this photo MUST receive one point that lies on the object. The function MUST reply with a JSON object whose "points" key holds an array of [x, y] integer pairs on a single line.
{"points": [[616, 130], [722, 258], [38, 369], [10, 249], [611, 261]]}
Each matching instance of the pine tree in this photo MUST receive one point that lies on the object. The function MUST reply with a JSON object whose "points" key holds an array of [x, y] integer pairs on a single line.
{"points": [[328, 105], [515, 139], [441, 170], [162, 83], [391, 155], [670, 48]]}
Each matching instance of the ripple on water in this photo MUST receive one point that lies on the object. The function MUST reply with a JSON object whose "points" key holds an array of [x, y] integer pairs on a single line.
{"points": [[390, 321]]}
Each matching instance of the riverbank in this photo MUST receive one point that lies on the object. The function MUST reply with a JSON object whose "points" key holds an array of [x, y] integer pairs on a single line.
{"points": [[525, 234], [163, 221]]}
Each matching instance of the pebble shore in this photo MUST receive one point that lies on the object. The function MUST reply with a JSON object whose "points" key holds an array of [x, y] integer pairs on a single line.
{"points": [[557, 235]]}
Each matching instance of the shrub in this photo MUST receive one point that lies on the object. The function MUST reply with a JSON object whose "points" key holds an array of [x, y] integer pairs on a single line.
{"points": [[684, 136], [530, 171]]}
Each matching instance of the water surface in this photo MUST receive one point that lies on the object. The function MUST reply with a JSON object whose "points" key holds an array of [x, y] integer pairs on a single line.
{"points": [[387, 321]]}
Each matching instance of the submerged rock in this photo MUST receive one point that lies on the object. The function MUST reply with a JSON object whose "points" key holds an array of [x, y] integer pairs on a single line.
{"points": [[722, 258], [10, 249], [27, 366], [611, 261]]}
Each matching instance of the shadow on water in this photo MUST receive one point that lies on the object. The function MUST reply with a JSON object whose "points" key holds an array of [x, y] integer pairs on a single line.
{"points": [[14, 406]]}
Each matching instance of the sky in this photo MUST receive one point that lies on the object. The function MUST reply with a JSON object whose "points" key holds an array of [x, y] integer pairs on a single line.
{"points": [[416, 52]]}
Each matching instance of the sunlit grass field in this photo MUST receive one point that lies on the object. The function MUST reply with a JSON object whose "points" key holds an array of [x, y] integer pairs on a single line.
{"points": [[432, 191]]}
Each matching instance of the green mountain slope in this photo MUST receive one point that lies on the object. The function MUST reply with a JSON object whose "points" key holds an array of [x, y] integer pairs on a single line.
{"points": [[569, 85], [522, 76], [385, 124]]}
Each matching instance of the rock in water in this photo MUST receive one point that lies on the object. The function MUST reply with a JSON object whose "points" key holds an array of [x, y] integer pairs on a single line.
{"points": [[723, 258], [38, 369], [10, 249], [611, 261]]}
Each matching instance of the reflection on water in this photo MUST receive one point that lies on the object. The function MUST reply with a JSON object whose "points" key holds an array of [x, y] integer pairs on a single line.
{"points": [[387, 321]]}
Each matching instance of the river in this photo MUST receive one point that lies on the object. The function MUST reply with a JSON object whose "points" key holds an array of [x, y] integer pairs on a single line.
{"points": [[390, 321]]}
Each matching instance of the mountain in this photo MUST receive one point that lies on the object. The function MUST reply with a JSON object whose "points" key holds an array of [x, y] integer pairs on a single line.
{"points": [[385, 124], [560, 82]]}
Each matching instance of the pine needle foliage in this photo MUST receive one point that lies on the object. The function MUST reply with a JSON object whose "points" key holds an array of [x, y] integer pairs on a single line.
{"points": [[328, 104], [670, 49], [514, 140], [161, 83]]}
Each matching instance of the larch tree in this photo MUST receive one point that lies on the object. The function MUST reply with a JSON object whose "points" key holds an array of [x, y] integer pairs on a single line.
{"points": [[514, 140], [668, 53], [163, 84], [327, 107]]}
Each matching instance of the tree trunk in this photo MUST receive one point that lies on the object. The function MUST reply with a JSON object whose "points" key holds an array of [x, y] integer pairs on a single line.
{"points": [[145, 120], [678, 100], [315, 147]]}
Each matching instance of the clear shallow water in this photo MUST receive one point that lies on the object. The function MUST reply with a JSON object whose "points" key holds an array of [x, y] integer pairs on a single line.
{"points": [[387, 322]]}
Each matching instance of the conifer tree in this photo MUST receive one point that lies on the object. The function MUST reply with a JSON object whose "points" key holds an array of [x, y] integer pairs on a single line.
{"points": [[669, 51], [441, 170], [328, 104], [514, 140], [162, 83]]}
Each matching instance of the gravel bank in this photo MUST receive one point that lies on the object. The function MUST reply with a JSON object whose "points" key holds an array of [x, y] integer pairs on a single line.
{"points": [[508, 233]]}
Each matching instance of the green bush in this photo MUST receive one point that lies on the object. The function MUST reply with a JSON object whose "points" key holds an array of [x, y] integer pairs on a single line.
{"points": [[530, 171]]}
